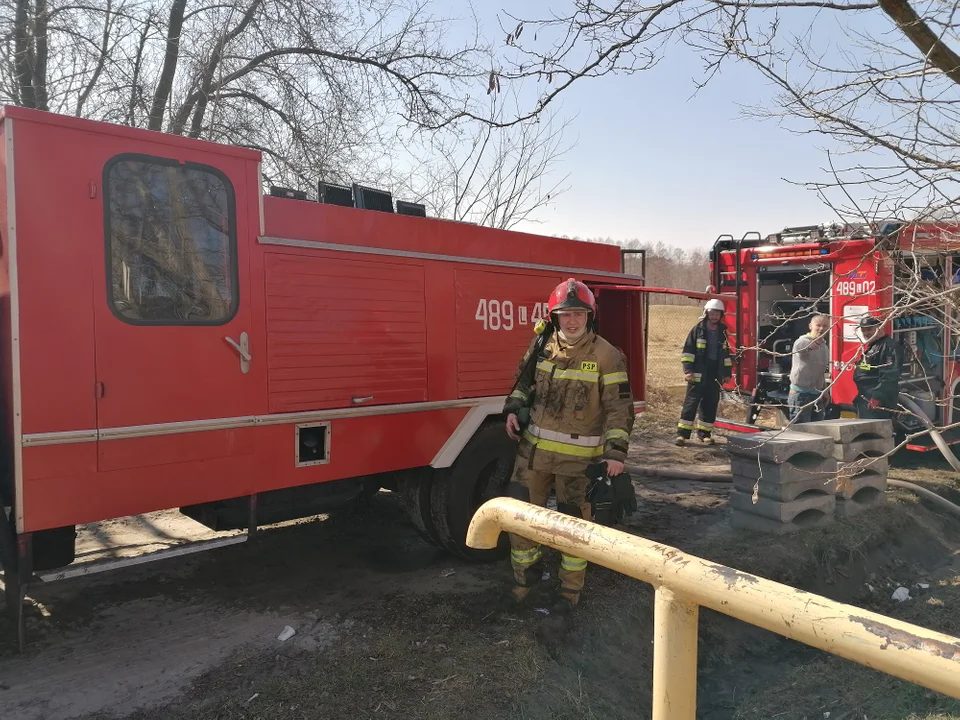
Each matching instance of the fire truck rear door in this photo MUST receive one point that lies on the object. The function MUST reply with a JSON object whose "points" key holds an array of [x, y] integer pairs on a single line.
{"points": [[175, 365]]}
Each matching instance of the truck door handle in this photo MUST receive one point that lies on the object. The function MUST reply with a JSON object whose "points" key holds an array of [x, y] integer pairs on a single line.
{"points": [[242, 348], [357, 400]]}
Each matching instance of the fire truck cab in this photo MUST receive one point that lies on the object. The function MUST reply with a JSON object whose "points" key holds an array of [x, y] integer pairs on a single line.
{"points": [[904, 273], [173, 338]]}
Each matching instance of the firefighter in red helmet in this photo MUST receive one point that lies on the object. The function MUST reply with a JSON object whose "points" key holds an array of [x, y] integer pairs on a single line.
{"points": [[573, 407]]}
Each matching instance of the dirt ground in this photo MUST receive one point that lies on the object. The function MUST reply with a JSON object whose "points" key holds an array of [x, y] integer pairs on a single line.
{"points": [[388, 627]]}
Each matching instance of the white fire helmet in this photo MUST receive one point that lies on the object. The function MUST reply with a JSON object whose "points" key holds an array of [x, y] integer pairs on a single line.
{"points": [[713, 305]]}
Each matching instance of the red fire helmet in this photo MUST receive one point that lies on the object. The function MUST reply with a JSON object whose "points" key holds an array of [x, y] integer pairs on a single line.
{"points": [[572, 295]]}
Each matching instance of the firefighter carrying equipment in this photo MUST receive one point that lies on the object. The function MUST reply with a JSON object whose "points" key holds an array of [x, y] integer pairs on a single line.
{"points": [[611, 498], [581, 406], [877, 372], [703, 389]]}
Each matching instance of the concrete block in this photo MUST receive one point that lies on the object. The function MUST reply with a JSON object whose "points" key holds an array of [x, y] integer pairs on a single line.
{"points": [[877, 465], [846, 431], [811, 503], [856, 476], [748, 521], [858, 448], [789, 472], [787, 491], [780, 446], [863, 500]]}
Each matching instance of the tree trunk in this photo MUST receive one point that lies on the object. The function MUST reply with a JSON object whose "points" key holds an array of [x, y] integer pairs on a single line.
{"points": [[162, 94], [23, 60]]}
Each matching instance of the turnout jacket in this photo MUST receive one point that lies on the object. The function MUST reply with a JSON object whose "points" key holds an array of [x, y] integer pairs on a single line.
{"points": [[877, 374], [694, 355], [581, 406]]}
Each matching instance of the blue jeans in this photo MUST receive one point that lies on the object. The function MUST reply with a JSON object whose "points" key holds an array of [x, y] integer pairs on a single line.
{"points": [[800, 414]]}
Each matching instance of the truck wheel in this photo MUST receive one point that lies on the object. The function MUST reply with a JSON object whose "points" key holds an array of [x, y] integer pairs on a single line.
{"points": [[480, 473], [414, 487]]}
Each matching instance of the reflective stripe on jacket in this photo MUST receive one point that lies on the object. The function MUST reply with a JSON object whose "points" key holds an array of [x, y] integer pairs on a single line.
{"points": [[581, 406], [694, 354]]}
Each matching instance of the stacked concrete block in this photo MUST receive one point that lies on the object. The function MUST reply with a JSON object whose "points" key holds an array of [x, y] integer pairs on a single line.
{"points": [[783, 481], [860, 448]]}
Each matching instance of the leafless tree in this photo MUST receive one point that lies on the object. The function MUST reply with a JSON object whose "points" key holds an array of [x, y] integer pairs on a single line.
{"points": [[307, 82], [495, 176], [878, 78]]}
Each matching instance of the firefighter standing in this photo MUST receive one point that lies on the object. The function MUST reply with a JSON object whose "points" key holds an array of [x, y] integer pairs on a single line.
{"points": [[877, 373], [580, 411], [706, 366]]}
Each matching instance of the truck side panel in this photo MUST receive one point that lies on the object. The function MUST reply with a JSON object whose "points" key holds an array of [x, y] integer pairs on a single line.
{"points": [[496, 314], [7, 480], [344, 332], [348, 226]]}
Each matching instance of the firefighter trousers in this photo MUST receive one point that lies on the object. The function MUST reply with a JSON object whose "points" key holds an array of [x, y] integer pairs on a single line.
{"points": [[525, 555], [705, 396]]}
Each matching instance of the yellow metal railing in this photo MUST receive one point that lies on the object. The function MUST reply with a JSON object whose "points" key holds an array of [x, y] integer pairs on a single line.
{"points": [[684, 583]]}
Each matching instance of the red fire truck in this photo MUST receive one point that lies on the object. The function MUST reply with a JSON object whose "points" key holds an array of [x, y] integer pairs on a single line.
{"points": [[173, 338], [904, 273]]}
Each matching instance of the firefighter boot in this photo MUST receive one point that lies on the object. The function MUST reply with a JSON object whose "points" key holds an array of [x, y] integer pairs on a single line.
{"points": [[526, 561], [571, 500], [680, 441]]}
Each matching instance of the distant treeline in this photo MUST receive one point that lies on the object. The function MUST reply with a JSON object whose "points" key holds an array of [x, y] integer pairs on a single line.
{"points": [[667, 266]]}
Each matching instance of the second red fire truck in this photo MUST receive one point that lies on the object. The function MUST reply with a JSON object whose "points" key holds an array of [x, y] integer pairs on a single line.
{"points": [[905, 273]]}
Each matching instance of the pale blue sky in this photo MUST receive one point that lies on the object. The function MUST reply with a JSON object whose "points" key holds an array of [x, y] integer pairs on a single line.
{"points": [[655, 162]]}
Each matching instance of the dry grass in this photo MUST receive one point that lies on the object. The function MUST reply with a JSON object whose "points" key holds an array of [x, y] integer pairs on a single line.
{"points": [[669, 325]]}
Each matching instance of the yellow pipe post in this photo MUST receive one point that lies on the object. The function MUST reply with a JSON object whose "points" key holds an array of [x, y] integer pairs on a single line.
{"points": [[674, 656], [913, 653]]}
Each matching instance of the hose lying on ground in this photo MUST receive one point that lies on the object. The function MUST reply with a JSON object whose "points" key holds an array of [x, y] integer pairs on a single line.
{"points": [[928, 423], [669, 474], [938, 500]]}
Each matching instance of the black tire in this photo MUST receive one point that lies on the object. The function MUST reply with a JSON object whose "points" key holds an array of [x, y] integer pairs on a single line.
{"points": [[414, 487], [481, 472]]}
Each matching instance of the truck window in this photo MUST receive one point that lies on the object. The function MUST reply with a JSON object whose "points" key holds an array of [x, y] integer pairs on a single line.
{"points": [[171, 242]]}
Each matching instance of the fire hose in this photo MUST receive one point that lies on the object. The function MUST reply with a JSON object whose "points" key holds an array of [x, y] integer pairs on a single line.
{"points": [[945, 450], [724, 478]]}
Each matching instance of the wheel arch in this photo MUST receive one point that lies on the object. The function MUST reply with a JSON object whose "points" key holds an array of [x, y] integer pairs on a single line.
{"points": [[476, 417]]}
